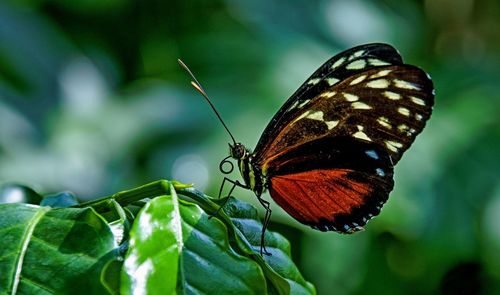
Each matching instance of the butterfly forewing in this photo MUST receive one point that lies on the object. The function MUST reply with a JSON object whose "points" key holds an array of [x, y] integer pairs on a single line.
{"points": [[388, 106], [332, 72], [332, 183]]}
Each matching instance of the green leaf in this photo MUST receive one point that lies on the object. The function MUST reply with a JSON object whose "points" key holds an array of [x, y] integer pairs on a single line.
{"points": [[176, 247], [118, 220], [244, 230], [49, 251], [245, 217], [110, 276], [173, 247]]}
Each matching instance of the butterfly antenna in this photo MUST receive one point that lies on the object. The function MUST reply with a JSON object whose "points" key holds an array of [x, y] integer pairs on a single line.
{"points": [[200, 89]]}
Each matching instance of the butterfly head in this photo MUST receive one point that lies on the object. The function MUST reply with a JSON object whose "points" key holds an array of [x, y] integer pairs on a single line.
{"points": [[238, 151]]}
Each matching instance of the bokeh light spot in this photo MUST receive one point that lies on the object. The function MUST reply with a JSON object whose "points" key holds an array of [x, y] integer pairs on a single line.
{"points": [[191, 168]]}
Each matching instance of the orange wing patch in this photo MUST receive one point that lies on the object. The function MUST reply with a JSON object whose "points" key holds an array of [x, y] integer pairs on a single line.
{"points": [[328, 199]]}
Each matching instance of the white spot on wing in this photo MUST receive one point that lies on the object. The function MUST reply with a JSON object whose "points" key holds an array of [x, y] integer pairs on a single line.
{"points": [[360, 106], [392, 95], [403, 128], [404, 111], [417, 100], [384, 122], [316, 116], [418, 117], [314, 81], [303, 103], [331, 124], [381, 74], [361, 135], [379, 83], [332, 81], [358, 53], [328, 94], [294, 105], [377, 62], [393, 145], [405, 84], [357, 80], [350, 97], [356, 65], [396, 144], [337, 63], [380, 172], [305, 114]]}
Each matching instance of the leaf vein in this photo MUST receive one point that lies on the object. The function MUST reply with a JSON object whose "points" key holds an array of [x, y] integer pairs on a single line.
{"points": [[27, 235]]}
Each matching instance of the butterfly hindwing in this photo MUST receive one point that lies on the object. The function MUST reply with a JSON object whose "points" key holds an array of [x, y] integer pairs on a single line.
{"points": [[331, 199], [332, 184]]}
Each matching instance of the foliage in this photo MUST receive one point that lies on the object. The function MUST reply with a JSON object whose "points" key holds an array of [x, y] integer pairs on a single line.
{"points": [[171, 245]]}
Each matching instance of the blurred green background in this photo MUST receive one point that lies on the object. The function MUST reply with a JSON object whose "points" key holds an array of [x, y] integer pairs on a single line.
{"points": [[92, 100]]}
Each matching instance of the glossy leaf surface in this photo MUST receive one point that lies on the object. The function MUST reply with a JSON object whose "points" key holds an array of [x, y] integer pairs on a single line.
{"points": [[175, 247], [53, 251]]}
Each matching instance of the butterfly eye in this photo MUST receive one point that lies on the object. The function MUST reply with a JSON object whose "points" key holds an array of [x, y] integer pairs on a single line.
{"points": [[237, 151]]}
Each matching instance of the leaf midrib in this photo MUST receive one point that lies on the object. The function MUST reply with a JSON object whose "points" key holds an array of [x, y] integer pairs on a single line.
{"points": [[24, 246], [178, 232]]}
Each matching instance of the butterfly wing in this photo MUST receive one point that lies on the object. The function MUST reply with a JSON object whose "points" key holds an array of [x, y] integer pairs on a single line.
{"points": [[332, 183], [329, 158], [336, 69]]}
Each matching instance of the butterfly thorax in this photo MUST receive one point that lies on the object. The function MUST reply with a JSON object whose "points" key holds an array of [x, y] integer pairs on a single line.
{"points": [[251, 172]]}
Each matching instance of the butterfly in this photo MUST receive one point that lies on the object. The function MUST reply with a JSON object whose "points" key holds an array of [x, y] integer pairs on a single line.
{"points": [[327, 156]]}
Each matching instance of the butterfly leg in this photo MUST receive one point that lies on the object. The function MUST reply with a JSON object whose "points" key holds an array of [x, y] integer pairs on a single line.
{"points": [[234, 183], [267, 218]]}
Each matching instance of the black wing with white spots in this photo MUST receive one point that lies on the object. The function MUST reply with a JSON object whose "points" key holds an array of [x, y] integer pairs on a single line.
{"points": [[335, 70], [375, 97]]}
